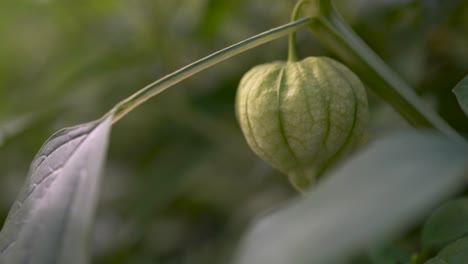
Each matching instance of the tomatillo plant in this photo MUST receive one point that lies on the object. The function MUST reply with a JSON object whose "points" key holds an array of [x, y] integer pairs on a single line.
{"points": [[301, 116]]}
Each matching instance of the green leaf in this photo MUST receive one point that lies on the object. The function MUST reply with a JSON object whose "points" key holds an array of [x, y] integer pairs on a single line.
{"points": [[390, 255], [50, 220], [370, 199], [435, 261], [447, 223], [454, 253], [461, 91]]}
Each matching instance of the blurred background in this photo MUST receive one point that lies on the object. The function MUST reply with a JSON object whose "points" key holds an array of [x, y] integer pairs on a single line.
{"points": [[181, 184]]}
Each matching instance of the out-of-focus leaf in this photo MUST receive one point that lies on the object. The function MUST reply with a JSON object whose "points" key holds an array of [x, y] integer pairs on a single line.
{"points": [[435, 261], [461, 91], [365, 202], [454, 253], [390, 255], [448, 223], [50, 220]]}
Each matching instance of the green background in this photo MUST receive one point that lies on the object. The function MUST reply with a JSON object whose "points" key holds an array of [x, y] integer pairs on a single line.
{"points": [[181, 184]]}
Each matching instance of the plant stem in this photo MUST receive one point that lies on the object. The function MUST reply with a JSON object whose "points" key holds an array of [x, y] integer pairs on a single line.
{"points": [[292, 46], [127, 105], [331, 29]]}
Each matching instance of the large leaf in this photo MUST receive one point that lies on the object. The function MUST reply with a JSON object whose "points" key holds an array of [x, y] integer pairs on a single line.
{"points": [[446, 224], [49, 222], [461, 91], [454, 253], [373, 197]]}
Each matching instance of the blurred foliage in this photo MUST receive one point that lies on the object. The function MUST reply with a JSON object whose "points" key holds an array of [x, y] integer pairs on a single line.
{"points": [[181, 183]]}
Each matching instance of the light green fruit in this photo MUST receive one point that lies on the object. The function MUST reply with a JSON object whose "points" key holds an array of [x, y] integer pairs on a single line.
{"points": [[302, 116]]}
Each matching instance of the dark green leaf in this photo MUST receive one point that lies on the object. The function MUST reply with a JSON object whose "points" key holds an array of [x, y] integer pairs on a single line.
{"points": [[435, 261], [454, 253], [50, 220], [461, 91], [368, 200], [390, 255], [448, 223]]}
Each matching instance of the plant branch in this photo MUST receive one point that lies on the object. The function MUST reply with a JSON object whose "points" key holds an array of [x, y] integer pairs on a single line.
{"points": [[331, 29], [127, 105]]}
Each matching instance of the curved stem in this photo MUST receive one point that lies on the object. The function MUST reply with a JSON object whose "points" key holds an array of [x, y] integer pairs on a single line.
{"points": [[292, 49], [127, 105], [331, 29]]}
